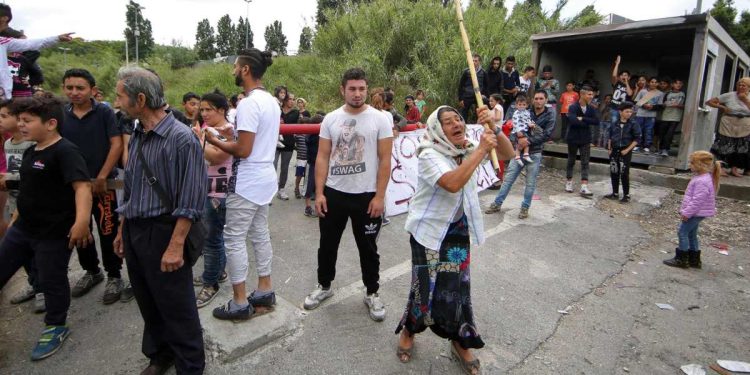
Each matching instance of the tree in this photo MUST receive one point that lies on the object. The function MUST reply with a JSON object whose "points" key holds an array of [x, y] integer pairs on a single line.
{"points": [[205, 41], [323, 6], [145, 37], [225, 36], [275, 38], [725, 13], [243, 31], [743, 31], [481, 3], [305, 40]]}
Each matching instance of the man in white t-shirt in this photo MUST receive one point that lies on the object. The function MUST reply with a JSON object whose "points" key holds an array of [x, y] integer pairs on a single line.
{"points": [[251, 188], [351, 175]]}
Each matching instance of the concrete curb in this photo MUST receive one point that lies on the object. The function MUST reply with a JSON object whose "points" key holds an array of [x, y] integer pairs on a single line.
{"points": [[226, 341], [676, 182]]}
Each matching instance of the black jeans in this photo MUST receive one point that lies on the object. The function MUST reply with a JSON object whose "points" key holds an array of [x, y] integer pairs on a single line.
{"points": [[585, 151], [310, 189], [172, 330], [51, 257], [563, 125], [619, 169], [341, 207], [466, 109], [666, 134], [107, 219]]}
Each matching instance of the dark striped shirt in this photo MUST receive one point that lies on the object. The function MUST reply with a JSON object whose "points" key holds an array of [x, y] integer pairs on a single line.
{"points": [[174, 155]]}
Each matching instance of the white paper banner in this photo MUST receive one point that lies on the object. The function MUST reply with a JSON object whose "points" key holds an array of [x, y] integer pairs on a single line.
{"points": [[403, 182]]}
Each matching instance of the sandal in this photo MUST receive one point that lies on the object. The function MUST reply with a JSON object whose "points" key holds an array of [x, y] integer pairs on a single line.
{"points": [[403, 354], [469, 367]]}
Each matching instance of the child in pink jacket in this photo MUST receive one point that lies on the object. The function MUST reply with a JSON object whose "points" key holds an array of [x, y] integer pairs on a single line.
{"points": [[699, 203]]}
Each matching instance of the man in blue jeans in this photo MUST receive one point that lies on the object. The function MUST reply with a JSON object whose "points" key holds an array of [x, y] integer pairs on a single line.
{"points": [[544, 118]]}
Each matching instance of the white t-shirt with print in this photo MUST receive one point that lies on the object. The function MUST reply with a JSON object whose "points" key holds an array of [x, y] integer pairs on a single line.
{"points": [[353, 164], [254, 178]]}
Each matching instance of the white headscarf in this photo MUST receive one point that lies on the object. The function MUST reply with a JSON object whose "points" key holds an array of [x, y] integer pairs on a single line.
{"points": [[434, 138]]}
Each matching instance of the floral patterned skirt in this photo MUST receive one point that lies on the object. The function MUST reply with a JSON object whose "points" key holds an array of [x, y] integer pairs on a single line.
{"points": [[440, 295], [734, 151]]}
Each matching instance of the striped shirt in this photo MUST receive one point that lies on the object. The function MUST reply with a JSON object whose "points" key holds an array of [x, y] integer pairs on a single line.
{"points": [[176, 159], [432, 209], [299, 144]]}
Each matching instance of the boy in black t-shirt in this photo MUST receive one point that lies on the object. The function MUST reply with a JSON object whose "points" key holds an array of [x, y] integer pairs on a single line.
{"points": [[622, 92], [53, 215]]}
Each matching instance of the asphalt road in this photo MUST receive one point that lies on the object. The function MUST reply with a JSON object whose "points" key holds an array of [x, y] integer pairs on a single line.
{"points": [[598, 263]]}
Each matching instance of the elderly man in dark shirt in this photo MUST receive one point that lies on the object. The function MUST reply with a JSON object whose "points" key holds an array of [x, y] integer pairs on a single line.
{"points": [[153, 235]]}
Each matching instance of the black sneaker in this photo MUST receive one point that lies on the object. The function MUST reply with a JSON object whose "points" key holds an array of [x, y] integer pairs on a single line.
{"points": [[309, 212], [224, 312], [86, 282], [612, 196], [625, 199], [127, 293], [266, 301]]}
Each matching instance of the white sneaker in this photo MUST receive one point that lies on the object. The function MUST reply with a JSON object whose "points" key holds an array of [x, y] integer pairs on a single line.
{"points": [[569, 186], [636, 149], [528, 159], [585, 191], [317, 296], [646, 150], [282, 195], [520, 162], [376, 307]]}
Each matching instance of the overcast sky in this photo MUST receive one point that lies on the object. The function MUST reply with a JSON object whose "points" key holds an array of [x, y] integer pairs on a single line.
{"points": [[178, 19]]}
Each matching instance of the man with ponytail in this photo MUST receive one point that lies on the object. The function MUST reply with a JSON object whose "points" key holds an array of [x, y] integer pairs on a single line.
{"points": [[698, 203], [251, 187]]}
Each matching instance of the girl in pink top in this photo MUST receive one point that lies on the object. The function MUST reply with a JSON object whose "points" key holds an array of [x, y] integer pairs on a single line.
{"points": [[698, 203], [213, 110]]}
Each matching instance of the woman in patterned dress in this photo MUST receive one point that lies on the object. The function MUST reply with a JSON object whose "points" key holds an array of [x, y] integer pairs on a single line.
{"points": [[444, 215]]}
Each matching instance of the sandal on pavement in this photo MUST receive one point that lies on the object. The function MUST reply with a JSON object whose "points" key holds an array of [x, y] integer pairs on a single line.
{"points": [[404, 354], [469, 367]]}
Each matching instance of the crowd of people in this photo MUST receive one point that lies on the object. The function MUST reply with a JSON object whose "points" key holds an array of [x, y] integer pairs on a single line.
{"points": [[200, 181]]}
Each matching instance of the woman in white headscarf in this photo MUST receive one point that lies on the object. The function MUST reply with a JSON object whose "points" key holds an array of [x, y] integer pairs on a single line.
{"points": [[444, 215]]}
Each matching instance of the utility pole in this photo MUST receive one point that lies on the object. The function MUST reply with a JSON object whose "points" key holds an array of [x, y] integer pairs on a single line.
{"points": [[127, 59], [247, 24], [137, 31]]}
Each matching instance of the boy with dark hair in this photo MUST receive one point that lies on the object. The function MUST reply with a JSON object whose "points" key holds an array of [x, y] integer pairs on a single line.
{"points": [[93, 127], [511, 82], [581, 115], [525, 80], [521, 126], [191, 102], [622, 92], [53, 215], [351, 176], [466, 97], [566, 100], [674, 105], [549, 84], [623, 137], [14, 147]]}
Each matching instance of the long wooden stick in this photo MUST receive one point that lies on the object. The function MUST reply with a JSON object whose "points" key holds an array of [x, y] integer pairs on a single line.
{"points": [[473, 72]]}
